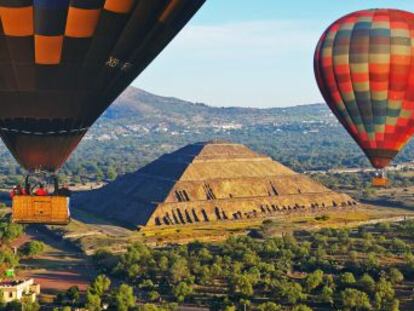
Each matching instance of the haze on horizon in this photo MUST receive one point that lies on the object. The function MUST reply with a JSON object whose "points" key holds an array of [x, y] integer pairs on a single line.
{"points": [[250, 53]]}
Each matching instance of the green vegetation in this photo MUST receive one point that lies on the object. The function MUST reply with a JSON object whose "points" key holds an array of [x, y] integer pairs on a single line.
{"points": [[19, 306], [133, 133], [10, 260], [370, 268], [8, 232], [33, 248]]}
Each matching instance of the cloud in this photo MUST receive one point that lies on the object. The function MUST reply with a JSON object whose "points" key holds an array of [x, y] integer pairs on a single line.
{"points": [[244, 39], [255, 63]]}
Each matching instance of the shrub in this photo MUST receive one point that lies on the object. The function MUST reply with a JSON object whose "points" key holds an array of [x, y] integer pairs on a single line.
{"points": [[367, 283], [33, 248], [395, 276], [301, 308], [347, 279], [269, 306], [313, 280], [353, 299]]}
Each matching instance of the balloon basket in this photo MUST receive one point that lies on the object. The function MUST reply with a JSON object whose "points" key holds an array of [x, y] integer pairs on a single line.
{"points": [[380, 182], [46, 210]]}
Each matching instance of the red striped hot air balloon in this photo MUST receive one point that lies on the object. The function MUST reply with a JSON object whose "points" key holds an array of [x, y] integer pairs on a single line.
{"points": [[364, 66]]}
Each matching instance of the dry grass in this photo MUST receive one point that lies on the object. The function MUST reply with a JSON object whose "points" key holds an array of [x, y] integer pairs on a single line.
{"points": [[97, 234], [58, 267]]}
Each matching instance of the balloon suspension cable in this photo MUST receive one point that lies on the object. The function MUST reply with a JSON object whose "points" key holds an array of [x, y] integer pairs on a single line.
{"points": [[48, 177], [55, 183]]}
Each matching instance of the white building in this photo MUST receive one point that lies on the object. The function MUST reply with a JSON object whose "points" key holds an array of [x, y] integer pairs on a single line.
{"points": [[18, 289]]}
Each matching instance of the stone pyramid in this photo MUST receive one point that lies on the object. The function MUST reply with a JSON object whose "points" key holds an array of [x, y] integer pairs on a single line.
{"points": [[209, 182]]}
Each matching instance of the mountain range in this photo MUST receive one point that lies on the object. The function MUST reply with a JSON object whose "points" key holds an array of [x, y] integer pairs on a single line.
{"points": [[138, 105]]}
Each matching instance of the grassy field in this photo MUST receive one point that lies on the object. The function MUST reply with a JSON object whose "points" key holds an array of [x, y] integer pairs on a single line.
{"points": [[334, 218]]}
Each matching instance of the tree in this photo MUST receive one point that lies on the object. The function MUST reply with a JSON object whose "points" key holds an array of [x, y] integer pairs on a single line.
{"points": [[241, 284], [111, 173], [250, 258], [399, 246], [73, 295], [394, 305], [100, 285], [353, 256], [314, 280], [124, 298], [150, 307], [146, 284], [93, 302], [326, 295], [10, 231], [163, 264], [153, 296], [204, 255], [329, 280], [384, 293], [347, 279], [2, 301], [395, 276], [353, 299], [372, 261], [367, 283], [34, 248], [291, 291], [99, 175], [385, 289], [301, 308], [181, 291], [204, 275], [31, 306], [8, 259], [269, 306], [179, 271]]}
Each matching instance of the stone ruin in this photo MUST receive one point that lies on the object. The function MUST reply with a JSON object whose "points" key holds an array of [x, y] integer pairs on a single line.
{"points": [[209, 182]]}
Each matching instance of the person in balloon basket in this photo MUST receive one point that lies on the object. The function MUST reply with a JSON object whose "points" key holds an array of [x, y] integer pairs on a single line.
{"points": [[18, 190], [41, 191]]}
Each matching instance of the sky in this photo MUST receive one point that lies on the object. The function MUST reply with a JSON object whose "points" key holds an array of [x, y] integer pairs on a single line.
{"points": [[250, 53]]}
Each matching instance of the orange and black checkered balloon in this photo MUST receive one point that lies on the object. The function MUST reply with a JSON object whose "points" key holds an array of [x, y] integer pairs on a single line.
{"points": [[364, 65], [63, 62]]}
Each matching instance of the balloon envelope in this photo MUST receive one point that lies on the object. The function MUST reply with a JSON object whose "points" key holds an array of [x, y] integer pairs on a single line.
{"points": [[63, 62], [364, 65]]}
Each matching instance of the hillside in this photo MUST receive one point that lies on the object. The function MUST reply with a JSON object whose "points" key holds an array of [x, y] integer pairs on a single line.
{"points": [[140, 126], [138, 105]]}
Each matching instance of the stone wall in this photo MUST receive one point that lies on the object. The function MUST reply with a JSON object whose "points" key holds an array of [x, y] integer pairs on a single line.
{"points": [[234, 209]]}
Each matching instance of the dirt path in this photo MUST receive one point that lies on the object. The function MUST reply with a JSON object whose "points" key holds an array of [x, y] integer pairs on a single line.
{"points": [[59, 267]]}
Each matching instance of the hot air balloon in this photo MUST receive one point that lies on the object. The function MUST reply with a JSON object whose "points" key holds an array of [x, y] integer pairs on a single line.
{"points": [[63, 62], [364, 66]]}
